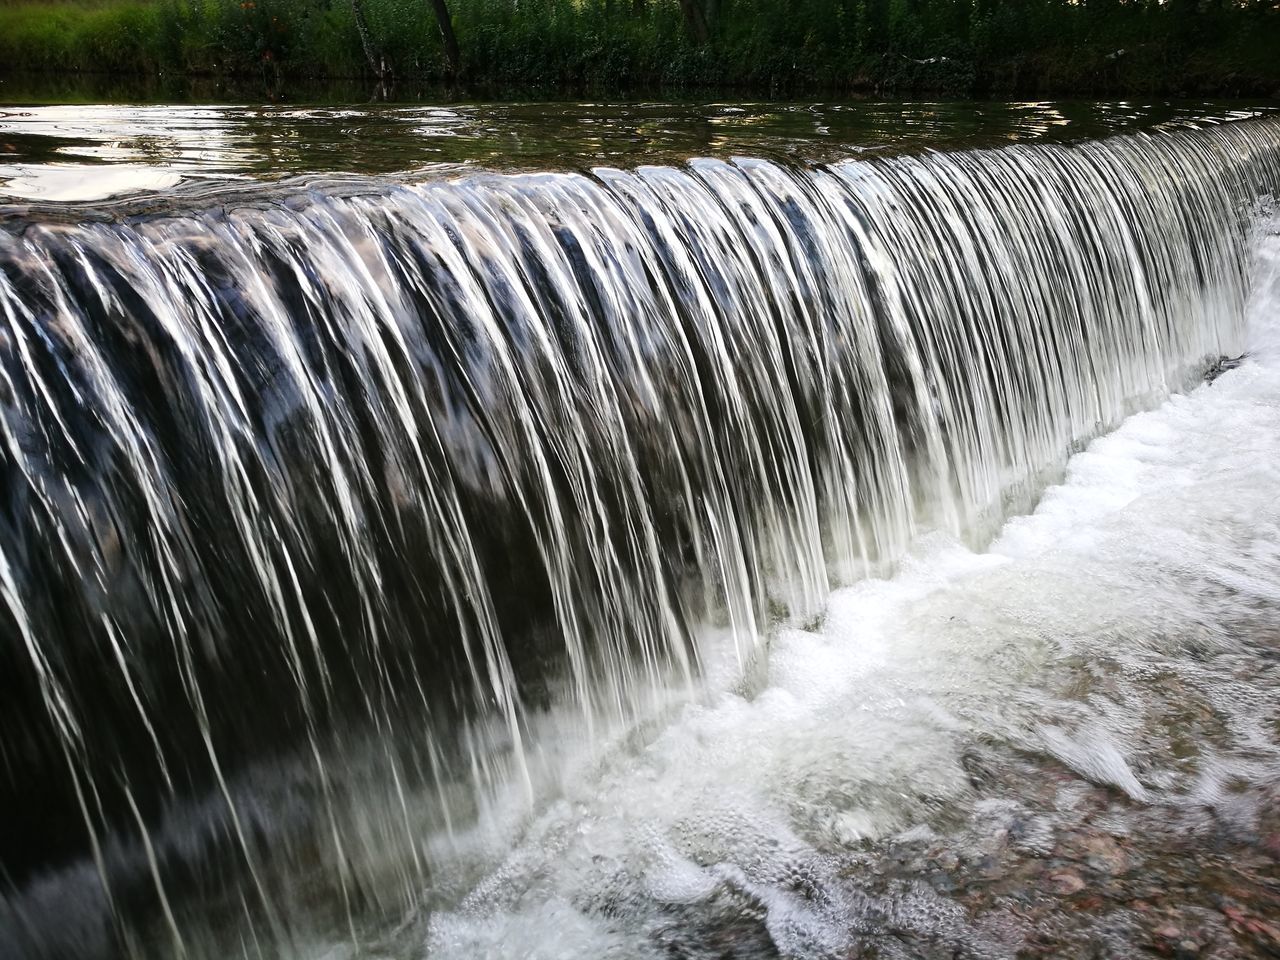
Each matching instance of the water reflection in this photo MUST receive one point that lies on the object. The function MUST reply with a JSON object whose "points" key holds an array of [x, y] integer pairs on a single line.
{"points": [[70, 183], [97, 151]]}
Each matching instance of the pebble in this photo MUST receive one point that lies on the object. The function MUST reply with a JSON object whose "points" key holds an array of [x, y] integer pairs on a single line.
{"points": [[942, 882], [1271, 845], [1104, 855], [1066, 882]]}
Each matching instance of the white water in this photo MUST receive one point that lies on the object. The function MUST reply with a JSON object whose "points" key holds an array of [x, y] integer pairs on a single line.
{"points": [[1143, 586]]}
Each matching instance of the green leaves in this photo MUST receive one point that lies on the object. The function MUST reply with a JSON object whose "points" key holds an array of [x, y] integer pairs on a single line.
{"points": [[962, 47]]}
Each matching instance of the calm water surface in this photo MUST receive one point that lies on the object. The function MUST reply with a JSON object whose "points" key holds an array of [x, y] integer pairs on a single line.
{"points": [[92, 152]]}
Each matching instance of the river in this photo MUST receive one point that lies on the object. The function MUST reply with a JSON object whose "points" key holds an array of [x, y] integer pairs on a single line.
{"points": [[639, 530]]}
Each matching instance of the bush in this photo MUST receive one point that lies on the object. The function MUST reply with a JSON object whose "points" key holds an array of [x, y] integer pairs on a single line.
{"points": [[951, 46]]}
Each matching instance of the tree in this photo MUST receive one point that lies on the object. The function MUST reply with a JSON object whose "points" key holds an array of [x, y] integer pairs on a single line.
{"points": [[377, 62], [695, 21], [452, 58]]}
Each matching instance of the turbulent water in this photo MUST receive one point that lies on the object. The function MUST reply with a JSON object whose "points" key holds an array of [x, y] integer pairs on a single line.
{"points": [[439, 564], [1125, 632]]}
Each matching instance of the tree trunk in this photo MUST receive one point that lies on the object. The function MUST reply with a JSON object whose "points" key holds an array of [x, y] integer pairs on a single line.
{"points": [[452, 58], [710, 13], [371, 53], [695, 21]]}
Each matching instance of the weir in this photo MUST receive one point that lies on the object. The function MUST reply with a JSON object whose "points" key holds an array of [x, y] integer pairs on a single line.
{"points": [[315, 502]]}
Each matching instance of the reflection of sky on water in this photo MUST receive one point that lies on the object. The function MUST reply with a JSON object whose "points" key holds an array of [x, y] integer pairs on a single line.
{"points": [[77, 182], [85, 153]]}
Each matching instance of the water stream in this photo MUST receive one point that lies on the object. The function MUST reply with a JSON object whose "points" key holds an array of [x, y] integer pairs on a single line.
{"points": [[600, 564]]}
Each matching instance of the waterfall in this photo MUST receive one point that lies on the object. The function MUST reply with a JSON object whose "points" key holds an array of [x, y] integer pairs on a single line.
{"points": [[314, 501]]}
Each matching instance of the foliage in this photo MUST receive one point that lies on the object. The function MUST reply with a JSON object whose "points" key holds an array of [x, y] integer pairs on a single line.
{"points": [[1029, 47]]}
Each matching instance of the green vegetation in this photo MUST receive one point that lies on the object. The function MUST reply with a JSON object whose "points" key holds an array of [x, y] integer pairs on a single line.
{"points": [[1027, 47]]}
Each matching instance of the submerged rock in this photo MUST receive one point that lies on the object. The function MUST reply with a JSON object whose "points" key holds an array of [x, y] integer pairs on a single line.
{"points": [[1222, 365]]}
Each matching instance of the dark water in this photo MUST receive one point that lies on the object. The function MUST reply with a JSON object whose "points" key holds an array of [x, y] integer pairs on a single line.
{"points": [[87, 152]]}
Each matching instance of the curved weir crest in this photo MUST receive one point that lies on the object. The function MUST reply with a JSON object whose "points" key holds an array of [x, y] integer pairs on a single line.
{"points": [[314, 505]]}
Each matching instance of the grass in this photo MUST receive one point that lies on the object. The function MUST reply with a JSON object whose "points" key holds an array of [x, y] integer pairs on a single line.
{"points": [[73, 36]]}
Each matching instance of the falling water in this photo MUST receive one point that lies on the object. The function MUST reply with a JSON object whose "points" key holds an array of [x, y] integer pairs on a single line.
{"points": [[318, 505]]}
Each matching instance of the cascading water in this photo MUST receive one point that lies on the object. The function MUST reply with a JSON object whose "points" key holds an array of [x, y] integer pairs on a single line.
{"points": [[319, 506]]}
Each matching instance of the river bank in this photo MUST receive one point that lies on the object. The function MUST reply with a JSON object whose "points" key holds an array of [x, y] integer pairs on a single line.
{"points": [[759, 47]]}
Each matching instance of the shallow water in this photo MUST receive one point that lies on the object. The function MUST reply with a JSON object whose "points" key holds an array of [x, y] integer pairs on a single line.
{"points": [[87, 152]]}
